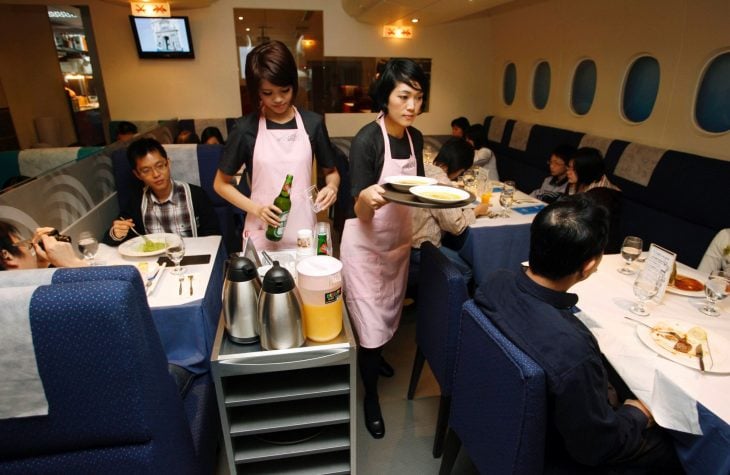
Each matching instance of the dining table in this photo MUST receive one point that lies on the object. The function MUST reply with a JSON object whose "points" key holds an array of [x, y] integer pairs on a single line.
{"points": [[185, 311], [495, 242], [690, 402]]}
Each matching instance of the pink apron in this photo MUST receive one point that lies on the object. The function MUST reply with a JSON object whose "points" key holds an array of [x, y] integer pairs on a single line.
{"points": [[375, 258], [279, 152]]}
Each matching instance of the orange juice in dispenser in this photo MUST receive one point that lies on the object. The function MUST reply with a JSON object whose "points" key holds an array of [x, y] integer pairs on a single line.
{"points": [[320, 286]]}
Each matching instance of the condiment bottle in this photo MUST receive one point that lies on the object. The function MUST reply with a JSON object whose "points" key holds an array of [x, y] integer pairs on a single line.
{"points": [[304, 244]]}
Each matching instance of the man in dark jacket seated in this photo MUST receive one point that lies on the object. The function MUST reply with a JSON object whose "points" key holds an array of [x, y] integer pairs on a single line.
{"points": [[164, 205], [593, 419]]}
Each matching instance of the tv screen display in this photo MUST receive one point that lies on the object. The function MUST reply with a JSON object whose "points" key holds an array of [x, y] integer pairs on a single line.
{"points": [[162, 37]]}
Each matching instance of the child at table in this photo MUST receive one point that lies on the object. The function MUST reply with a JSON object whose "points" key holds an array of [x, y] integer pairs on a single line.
{"points": [[555, 185]]}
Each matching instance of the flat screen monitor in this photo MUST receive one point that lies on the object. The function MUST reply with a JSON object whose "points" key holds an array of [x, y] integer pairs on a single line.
{"points": [[164, 38]]}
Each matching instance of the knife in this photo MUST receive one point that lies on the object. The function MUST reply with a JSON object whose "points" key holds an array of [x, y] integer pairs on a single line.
{"points": [[157, 278], [701, 356]]}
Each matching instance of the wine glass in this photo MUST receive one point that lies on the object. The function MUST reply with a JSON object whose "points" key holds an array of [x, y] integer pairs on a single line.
{"points": [[88, 246], [175, 250], [507, 197], [646, 286], [630, 250], [716, 288]]}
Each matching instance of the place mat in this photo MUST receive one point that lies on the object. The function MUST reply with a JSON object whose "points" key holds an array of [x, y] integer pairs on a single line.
{"points": [[408, 199], [529, 209], [186, 261]]}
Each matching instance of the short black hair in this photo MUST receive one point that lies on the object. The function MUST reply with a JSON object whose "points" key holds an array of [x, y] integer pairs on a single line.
{"points": [[588, 165], [271, 61], [565, 235], [461, 122], [141, 147], [477, 134], [125, 127], [398, 70], [456, 154], [564, 152], [209, 132], [8, 230], [187, 136]]}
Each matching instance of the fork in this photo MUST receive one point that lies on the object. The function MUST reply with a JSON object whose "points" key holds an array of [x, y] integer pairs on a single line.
{"points": [[181, 279], [145, 238]]}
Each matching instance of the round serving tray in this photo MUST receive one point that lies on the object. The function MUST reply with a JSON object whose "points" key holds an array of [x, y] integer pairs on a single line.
{"points": [[408, 199]]}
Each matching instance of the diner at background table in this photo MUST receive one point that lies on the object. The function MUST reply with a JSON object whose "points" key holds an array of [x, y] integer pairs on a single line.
{"points": [[693, 404], [186, 323]]}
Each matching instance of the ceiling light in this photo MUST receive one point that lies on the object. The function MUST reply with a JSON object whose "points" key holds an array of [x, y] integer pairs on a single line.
{"points": [[398, 31], [248, 29], [414, 20], [240, 18], [60, 14]]}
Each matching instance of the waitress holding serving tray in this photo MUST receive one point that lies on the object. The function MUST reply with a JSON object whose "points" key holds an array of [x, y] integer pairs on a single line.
{"points": [[275, 141], [376, 243]]}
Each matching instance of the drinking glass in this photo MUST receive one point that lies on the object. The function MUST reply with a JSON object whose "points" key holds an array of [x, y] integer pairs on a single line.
{"points": [[716, 288], [175, 251], [646, 286], [630, 251], [310, 195], [88, 246], [469, 180], [507, 197]]}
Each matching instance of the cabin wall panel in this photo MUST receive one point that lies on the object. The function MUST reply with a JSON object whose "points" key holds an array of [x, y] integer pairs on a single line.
{"points": [[681, 34]]}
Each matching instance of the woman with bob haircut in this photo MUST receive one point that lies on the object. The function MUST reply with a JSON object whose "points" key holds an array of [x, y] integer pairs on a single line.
{"points": [[272, 142], [376, 241]]}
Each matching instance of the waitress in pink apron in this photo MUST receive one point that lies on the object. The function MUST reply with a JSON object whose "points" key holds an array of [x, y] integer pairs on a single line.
{"points": [[376, 243], [275, 141]]}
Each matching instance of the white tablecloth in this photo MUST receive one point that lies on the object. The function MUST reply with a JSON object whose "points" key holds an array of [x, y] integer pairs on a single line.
{"points": [[670, 390], [167, 291]]}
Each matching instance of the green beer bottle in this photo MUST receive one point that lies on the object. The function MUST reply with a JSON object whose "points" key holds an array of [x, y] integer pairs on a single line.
{"points": [[283, 202]]}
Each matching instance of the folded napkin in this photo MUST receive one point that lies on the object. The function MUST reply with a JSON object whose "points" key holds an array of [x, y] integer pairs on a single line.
{"points": [[529, 209], [21, 388], [672, 404]]}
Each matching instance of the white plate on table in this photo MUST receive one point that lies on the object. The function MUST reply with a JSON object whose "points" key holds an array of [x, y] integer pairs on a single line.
{"points": [[440, 194], [133, 247], [715, 348], [689, 293], [405, 182]]}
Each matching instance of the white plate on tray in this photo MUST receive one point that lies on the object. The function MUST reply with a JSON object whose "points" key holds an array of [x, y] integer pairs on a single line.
{"points": [[715, 348], [440, 194], [405, 182], [133, 247]]}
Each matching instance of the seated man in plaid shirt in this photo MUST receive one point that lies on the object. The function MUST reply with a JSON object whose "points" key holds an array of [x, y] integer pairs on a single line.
{"points": [[164, 205]]}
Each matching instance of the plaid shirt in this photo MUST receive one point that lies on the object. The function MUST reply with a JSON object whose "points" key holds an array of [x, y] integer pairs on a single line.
{"points": [[170, 216]]}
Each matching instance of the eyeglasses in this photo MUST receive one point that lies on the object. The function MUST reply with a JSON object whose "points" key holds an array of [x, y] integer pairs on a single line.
{"points": [[157, 167]]}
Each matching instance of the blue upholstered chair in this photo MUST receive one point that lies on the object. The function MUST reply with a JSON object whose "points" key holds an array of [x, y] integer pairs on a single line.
{"points": [[498, 407], [441, 294], [113, 407]]}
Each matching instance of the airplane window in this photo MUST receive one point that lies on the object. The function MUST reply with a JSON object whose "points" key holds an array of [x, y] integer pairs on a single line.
{"points": [[712, 107], [640, 89], [509, 84], [541, 85], [584, 87]]}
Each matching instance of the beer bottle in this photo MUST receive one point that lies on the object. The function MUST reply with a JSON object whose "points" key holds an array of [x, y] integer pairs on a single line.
{"points": [[283, 202]]}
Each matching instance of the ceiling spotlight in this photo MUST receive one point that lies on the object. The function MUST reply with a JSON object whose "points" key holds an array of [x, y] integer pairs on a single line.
{"points": [[240, 18], [248, 29], [414, 20]]}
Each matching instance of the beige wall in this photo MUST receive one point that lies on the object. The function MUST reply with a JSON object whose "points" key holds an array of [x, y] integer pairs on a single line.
{"points": [[681, 34], [30, 74], [208, 85]]}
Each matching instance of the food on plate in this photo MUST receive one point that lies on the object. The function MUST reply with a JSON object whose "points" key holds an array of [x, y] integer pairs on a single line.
{"points": [[151, 246], [677, 341], [683, 282], [409, 181], [440, 195]]}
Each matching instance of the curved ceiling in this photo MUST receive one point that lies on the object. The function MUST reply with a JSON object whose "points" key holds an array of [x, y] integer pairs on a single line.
{"points": [[428, 12]]}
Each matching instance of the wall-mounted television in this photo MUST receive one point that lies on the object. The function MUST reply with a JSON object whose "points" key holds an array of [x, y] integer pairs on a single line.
{"points": [[167, 37]]}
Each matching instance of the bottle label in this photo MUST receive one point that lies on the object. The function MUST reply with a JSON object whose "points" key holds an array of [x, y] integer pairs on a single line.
{"points": [[279, 232], [322, 245], [331, 297]]}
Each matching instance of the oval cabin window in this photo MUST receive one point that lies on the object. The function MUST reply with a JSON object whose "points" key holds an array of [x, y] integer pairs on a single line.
{"points": [[509, 84], [541, 85], [712, 107], [584, 87], [640, 89]]}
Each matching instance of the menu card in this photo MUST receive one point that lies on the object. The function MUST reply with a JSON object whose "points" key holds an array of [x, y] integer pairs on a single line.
{"points": [[660, 261]]}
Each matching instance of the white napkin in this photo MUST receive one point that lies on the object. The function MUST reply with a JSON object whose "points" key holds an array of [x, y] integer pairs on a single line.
{"points": [[673, 404]]}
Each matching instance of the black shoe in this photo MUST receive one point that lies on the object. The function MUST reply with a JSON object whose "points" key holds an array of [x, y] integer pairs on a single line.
{"points": [[374, 418], [385, 369]]}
